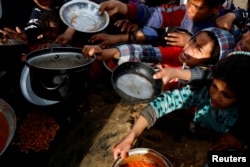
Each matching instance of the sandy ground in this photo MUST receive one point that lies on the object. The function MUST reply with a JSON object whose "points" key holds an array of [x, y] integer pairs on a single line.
{"points": [[89, 132], [241, 3], [180, 149]]}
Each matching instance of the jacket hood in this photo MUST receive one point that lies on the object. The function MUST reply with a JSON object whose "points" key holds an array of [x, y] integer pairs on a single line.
{"points": [[225, 39]]}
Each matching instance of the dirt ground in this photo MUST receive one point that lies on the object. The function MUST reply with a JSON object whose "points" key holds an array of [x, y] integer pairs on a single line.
{"points": [[90, 128], [181, 149]]}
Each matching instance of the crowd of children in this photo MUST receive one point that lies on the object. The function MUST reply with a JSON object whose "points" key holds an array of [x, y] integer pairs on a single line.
{"points": [[212, 43]]}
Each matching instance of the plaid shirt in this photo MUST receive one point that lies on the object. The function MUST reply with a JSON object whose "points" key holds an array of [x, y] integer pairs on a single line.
{"points": [[137, 53]]}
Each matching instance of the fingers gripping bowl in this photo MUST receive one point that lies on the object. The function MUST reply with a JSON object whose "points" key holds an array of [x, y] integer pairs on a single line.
{"points": [[146, 157], [82, 15]]}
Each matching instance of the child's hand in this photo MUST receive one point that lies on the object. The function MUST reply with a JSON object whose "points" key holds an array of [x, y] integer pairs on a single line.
{"points": [[66, 37], [165, 73], [91, 50], [113, 7], [106, 41], [16, 34], [227, 141], [126, 26], [101, 54], [179, 38]]}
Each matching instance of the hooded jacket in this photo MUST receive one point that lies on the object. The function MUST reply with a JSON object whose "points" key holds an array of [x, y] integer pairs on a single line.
{"points": [[226, 42]]}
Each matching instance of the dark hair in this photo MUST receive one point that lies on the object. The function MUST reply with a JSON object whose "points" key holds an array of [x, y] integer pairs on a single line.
{"points": [[216, 50], [51, 16], [234, 70], [214, 3]]}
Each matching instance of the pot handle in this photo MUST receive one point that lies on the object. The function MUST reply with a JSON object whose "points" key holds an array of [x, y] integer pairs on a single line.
{"points": [[56, 86]]}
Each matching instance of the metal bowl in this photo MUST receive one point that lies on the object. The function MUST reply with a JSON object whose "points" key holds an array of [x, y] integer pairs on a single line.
{"points": [[7, 125], [82, 15], [139, 155]]}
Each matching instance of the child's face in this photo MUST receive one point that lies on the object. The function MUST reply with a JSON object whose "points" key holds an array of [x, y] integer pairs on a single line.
{"points": [[51, 32], [197, 10], [244, 43], [221, 95], [198, 50]]}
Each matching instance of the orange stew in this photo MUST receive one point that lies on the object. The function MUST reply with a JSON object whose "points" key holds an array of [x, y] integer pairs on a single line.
{"points": [[4, 131], [138, 164]]}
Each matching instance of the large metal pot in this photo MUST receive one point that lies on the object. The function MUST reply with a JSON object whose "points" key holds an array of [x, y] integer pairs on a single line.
{"points": [[134, 82], [11, 53], [58, 73], [137, 156]]}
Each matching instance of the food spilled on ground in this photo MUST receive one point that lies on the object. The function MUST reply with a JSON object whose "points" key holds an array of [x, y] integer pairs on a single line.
{"points": [[36, 132]]}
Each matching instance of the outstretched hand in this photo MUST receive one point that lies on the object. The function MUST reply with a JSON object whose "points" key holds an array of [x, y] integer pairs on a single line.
{"points": [[101, 54], [126, 26], [16, 34], [165, 73], [227, 141], [106, 40], [113, 7], [179, 38]]}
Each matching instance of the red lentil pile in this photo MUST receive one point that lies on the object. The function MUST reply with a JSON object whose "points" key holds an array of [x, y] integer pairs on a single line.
{"points": [[36, 132]]}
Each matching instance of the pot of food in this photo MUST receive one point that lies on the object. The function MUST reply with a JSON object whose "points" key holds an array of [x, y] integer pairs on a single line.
{"points": [[146, 157], [58, 73], [134, 82]]}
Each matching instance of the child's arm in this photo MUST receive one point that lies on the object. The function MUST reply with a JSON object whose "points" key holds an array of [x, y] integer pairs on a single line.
{"points": [[194, 74], [66, 37], [169, 73], [238, 17], [121, 149]]}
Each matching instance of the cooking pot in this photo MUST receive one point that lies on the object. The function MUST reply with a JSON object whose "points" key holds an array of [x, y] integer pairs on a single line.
{"points": [[58, 73], [11, 54], [134, 82], [143, 157]]}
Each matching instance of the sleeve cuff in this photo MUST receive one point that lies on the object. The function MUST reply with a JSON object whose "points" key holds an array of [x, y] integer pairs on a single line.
{"points": [[150, 115]]}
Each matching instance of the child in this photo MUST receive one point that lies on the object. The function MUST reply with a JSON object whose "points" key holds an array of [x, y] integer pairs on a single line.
{"points": [[44, 18], [218, 110], [239, 16], [193, 17], [206, 47]]}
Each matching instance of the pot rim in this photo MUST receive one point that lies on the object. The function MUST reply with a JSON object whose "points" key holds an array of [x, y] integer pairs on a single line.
{"points": [[57, 50], [143, 151]]}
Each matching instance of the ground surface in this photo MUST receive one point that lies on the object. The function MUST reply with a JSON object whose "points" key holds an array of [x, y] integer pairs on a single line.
{"points": [[90, 128]]}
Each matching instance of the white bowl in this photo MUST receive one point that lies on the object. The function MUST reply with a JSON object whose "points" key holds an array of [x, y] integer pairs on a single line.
{"points": [[82, 15]]}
